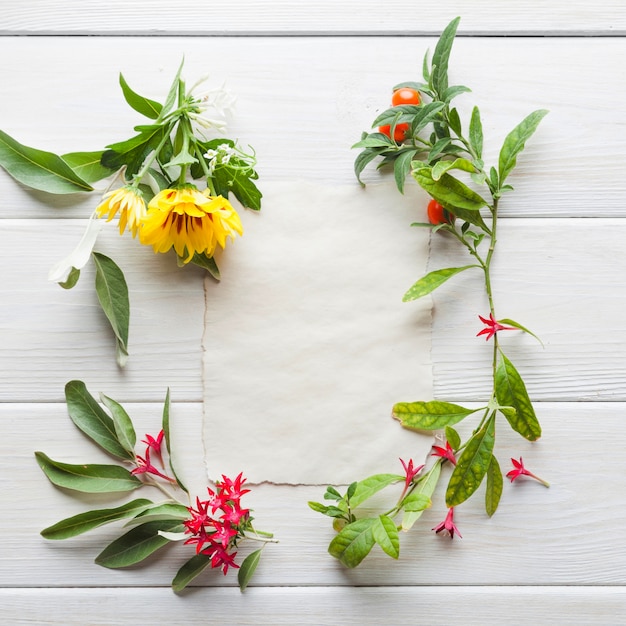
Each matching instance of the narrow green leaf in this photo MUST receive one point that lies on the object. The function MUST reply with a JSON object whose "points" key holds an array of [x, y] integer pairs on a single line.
{"points": [[431, 415], [87, 165], [172, 94], [425, 488], [441, 167], [190, 570], [137, 544], [318, 507], [454, 121], [166, 436], [449, 191], [449, 94], [511, 392], [513, 323], [441, 56], [363, 159], [375, 140], [431, 281], [122, 423], [38, 169], [494, 487], [88, 478], [142, 105], [365, 489], [162, 511], [402, 167], [78, 524], [472, 465], [476, 132], [91, 418], [112, 292], [247, 569], [516, 140], [354, 542], [386, 536]]}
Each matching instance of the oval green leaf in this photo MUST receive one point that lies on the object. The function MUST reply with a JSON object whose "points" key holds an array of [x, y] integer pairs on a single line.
{"points": [[247, 569], [472, 465], [112, 292], [449, 191], [431, 415], [386, 536], [91, 418], [78, 524], [494, 487], [365, 489], [511, 392], [354, 542], [137, 544], [87, 165], [88, 478], [192, 568], [427, 284], [122, 423], [39, 169]]}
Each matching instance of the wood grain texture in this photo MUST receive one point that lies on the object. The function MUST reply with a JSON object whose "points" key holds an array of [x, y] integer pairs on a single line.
{"points": [[301, 110], [318, 17], [401, 606], [561, 535]]}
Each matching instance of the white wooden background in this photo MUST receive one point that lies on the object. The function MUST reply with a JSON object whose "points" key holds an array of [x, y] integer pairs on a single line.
{"points": [[309, 77]]}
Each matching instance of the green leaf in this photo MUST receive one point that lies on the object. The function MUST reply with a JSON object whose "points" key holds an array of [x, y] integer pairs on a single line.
{"points": [[231, 180], [133, 152], [448, 95], [416, 502], [207, 263], [78, 524], [38, 169], [494, 487], [72, 279], [511, 392], [366, 488], [137, 544], [87, 165], [425, 488], [363, 159], [402, 167], [441, 56], [112, 292], [515, 141], [166, 436], [472, 465], [453, 438], [318, 507], [122, 423], [431, 281], [190, 570], [386, 536], [431, 415], [354, 542], [455, 121], [162, 511], [247, 569], [441, 167], [513, 323], [88, 478], [172, 93], [476, 133], [142, 105], [449, 191], [375, 140], [91, 418]]}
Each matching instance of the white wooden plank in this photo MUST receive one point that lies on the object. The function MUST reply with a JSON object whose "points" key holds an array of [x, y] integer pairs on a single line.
{"points": [[415, 606], [320, 17], [50, 335], [562, 279], [562, 535], [302, 105]]}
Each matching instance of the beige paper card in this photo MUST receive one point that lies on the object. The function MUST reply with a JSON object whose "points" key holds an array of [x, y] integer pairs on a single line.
{"points": [[308, 344]]}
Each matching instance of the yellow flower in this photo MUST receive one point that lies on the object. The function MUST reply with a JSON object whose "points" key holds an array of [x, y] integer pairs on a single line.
{"points": [[130, 204], [190, 221]]}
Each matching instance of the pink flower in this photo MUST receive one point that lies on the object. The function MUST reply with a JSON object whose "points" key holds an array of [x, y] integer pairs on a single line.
{"points": [[446, 453], [519, 470], [448, 525], [492, 326], [144, 466], [410, 472], [155, 444]]}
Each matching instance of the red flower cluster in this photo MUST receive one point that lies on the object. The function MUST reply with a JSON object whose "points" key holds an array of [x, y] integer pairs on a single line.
{"points": [[215, 536], [144, 464]]}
